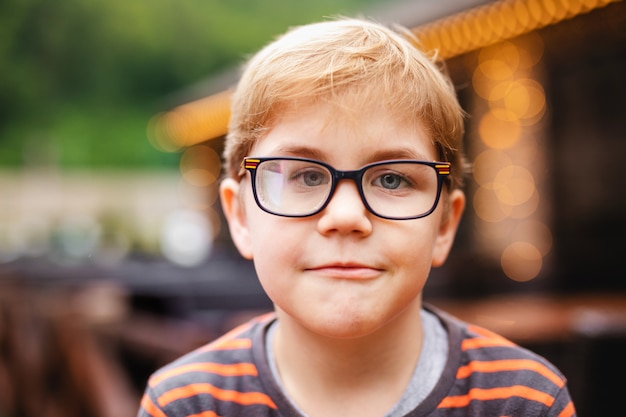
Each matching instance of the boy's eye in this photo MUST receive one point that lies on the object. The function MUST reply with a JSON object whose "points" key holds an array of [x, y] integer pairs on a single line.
{"points": [[390, 181], [311, 177]]}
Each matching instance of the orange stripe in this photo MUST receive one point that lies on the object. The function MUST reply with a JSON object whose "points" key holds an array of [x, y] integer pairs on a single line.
{"points": [[488, 339], [228, 344], [236, 369], [245, 398], [151, 408], [497, 394], [247, 325], [230, 341], [568, 411], [510, 365], [488, 333], [204, 414], [468, 344]]}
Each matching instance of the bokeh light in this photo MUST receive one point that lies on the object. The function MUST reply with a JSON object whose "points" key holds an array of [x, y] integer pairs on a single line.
{"points": [[487, 164], [514, 185], [200, 165], [527, 209], [190, 123], [488, 207], [497, 132], [535, 232], [506, 171], [521, 261], [186, 238]]}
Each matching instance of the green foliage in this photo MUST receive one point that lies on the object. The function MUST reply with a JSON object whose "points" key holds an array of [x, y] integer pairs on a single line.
{"points": [[81, 78]]}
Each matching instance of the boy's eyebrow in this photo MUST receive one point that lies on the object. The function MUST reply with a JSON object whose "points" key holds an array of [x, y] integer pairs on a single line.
{"points": [[398, 153], [380, 155], [301, 151]]}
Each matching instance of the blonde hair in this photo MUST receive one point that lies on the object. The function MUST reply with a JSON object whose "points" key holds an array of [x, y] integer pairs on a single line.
{"points": [[362, 58]]}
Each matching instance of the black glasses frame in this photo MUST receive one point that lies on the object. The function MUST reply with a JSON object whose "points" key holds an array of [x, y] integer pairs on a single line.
{"points": [[441, 168]]}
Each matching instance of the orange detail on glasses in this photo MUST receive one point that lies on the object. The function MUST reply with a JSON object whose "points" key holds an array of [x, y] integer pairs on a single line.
{"points": [[443, 169], [251, 163]]}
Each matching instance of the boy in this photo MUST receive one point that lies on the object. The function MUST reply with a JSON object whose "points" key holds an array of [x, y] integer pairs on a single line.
{"points": [[344, 175]]}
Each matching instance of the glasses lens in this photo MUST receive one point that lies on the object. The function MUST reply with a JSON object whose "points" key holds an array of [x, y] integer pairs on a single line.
{"points": [[400, 190], [292, 187]]}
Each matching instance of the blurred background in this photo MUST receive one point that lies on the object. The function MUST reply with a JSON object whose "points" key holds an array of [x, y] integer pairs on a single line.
{"points": [[114, 255]]}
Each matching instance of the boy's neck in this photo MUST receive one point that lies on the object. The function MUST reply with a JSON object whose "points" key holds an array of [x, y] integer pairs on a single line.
{"points": [[353, 376]]}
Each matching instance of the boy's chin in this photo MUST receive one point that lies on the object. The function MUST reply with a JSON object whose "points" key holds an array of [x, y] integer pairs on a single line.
{"points": [[347, 327]]}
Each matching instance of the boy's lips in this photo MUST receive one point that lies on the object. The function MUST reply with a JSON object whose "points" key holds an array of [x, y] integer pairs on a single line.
{"points": [[346, 270]]}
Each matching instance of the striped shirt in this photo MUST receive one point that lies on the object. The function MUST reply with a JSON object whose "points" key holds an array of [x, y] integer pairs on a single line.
{"points": [[485, 375]]}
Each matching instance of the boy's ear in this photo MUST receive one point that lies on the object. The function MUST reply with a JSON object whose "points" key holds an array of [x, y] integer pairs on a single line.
{"points": [[232, 206], [448, 228]]}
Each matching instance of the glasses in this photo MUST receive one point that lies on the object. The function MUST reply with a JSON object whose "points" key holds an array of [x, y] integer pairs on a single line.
{"points": [[300, 187]]}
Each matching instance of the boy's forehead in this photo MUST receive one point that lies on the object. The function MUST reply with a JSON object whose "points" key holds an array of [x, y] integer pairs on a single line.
{"points": [[319, 129], [346, 111]]}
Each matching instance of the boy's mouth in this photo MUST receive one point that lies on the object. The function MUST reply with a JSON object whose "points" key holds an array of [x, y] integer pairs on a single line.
{"points": [[346, 271]]}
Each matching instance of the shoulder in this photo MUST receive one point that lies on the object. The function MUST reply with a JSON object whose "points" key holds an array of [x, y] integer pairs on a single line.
{"points": [[482, 349], [217, 376], [232, 348], [495, 373]]}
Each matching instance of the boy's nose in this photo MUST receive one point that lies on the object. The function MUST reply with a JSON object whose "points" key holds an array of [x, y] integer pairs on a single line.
{"points": [[345, 211]]}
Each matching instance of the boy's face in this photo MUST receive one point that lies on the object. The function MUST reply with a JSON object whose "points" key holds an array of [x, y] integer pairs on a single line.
{"points": [[343, 272]]}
